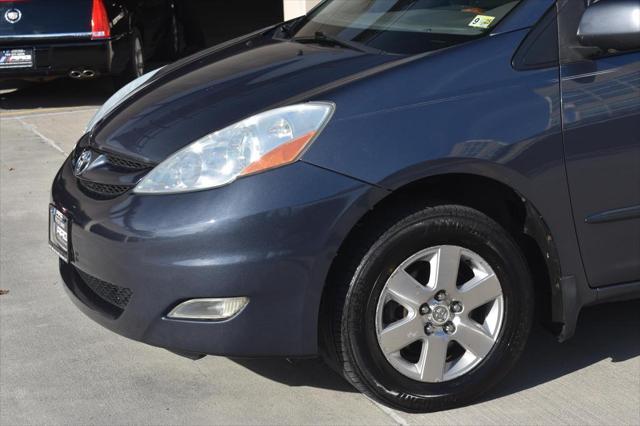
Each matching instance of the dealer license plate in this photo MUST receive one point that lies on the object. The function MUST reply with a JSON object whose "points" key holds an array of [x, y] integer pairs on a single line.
{"points": [[16, 58], [59, 233]]}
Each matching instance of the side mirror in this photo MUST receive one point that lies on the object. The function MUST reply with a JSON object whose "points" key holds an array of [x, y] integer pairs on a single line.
{"points": [[611, 24]]}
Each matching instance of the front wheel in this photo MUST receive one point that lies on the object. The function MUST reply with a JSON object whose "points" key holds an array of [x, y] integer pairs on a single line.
{"points": [[436, 312]]}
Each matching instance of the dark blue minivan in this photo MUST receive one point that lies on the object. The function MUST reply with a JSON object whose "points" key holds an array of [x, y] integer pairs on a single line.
{"points": [[402, 186]]}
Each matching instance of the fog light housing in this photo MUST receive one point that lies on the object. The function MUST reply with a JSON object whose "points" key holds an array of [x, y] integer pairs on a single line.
{"points": [[209, 309]]}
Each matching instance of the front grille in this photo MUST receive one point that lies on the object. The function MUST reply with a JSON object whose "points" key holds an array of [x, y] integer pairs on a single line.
{"points": [[102, 190], [125, 163], [110, 293]]}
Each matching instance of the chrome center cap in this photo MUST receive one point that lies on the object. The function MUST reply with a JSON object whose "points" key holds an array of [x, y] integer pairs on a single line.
{"points": [[440, 315]]}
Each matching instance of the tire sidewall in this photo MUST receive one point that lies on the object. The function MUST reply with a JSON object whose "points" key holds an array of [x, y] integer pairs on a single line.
{"points": [[135, 35], [435, 227], [174, 38], [130, 72]]}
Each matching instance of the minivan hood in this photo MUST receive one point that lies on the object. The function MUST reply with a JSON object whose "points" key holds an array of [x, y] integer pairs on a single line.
{"points": [[217, 88]]}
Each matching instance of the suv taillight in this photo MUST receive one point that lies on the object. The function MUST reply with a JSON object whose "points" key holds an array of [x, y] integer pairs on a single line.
{"points": [[99, 21]]}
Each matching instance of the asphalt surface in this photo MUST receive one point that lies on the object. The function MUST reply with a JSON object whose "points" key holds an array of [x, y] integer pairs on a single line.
{"points": [[58, 367]]}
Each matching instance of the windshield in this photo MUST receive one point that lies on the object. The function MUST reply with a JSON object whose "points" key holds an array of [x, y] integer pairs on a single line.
{"points": [[405, 26]]}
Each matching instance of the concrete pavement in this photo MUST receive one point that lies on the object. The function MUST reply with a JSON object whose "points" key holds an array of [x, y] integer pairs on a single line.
{"points": [[58, 367]]}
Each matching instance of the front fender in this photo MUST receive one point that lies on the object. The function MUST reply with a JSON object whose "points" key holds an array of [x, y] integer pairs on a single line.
{"points": [[464, 110]]}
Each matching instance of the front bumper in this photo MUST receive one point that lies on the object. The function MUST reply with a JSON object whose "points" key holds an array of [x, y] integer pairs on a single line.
{"points": [[269, 237]]}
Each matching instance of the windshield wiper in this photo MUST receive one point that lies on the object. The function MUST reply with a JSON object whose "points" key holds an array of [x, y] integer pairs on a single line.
{"points": [[286, 29], [325, 39]]}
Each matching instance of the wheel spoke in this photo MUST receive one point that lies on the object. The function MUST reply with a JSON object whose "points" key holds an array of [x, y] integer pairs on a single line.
{"points": [[473, 338], [478, 292], [405, 290], [445, 268], [401, 334], [433, 358]]}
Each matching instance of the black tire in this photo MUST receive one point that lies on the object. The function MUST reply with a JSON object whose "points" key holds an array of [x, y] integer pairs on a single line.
{"points": [[134, 68], [351, 342]]}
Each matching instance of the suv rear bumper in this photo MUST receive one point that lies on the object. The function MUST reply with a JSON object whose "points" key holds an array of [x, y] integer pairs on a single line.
{"points": [[57, 58]]}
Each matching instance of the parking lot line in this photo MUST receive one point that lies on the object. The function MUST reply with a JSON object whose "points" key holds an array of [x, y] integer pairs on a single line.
{"points": [[17, 115], [45, 139]]}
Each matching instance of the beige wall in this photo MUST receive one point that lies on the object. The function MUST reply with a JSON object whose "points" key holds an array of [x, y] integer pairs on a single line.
{"points": [[295, 8]]}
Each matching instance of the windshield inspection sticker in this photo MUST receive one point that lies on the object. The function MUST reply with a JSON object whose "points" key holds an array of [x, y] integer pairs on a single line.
{"points": [[482, 21]]}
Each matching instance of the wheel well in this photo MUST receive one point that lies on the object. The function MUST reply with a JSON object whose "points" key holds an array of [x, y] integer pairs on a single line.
{"points": [[498, 201]]}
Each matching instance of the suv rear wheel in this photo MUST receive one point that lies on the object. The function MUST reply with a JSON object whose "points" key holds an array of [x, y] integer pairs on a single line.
{"points": [[136, 64], [174, 39], [435, 312]]}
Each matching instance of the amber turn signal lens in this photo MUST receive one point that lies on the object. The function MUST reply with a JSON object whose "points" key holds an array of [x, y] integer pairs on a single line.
{"points": [[284, 154]]}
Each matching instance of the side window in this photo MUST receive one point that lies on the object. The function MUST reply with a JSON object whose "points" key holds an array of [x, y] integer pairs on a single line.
{"points": [[540, 48], [571, 50]]}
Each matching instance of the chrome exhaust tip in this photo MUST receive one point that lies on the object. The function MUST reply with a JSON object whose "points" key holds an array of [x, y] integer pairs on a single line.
{"points": [[75, 74], [88, 73]]}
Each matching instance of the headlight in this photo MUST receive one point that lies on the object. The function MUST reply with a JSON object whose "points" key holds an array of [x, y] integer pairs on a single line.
{"points": [[262, 142], [118, 97]]}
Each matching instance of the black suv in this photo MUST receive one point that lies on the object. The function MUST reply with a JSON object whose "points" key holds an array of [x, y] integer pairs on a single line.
{"points": [[85, 39]]}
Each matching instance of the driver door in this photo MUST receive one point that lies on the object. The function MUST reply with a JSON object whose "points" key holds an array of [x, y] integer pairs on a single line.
{"points": [[601, 125]]}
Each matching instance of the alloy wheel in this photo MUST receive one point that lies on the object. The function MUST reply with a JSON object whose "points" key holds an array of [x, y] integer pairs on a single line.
{"points": [[439, 314], [138, 57]]}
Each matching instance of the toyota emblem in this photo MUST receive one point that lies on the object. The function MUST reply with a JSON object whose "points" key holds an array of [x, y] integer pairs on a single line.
{"points": [[82, 163], [440, 314]]}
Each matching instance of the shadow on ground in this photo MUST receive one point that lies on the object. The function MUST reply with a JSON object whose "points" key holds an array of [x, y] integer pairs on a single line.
{"points": [[60, 93], [298, 372], [609, 333]]}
